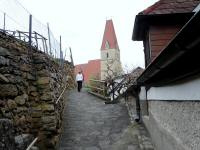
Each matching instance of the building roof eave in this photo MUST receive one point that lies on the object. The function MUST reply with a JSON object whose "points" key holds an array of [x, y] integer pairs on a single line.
{"points": [[178, 60], [142, 22]]}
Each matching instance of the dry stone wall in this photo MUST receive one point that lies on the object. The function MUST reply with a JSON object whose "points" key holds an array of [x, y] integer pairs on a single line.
{"points": [[30, 84]]}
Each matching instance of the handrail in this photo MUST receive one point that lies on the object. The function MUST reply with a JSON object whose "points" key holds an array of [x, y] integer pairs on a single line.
{"points": [[61, 94], [35, 140], [102, 81], [96, 88], [118, 84], [32, 143]]}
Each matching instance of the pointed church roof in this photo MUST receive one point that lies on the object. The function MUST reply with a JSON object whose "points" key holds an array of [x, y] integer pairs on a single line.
{"points": [[109, 37]]}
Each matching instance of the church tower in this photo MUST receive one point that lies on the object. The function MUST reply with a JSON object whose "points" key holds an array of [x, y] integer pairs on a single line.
{"points": [[110, 53]]}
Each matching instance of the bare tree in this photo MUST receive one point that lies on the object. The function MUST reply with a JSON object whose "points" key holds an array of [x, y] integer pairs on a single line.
{"points": [[117, 85], [111, 70]]}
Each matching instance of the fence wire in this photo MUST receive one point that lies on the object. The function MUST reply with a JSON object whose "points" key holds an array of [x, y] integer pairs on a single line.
{"points": [[14, 20]]}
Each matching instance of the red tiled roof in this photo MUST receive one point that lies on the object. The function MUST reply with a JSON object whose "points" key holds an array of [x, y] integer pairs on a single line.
{"points": [[171, 6], [91, 69], [110, 36]]}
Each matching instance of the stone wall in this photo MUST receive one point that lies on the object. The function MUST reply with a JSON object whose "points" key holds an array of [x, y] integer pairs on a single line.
{"points": [[30, 84], [6, 131]]}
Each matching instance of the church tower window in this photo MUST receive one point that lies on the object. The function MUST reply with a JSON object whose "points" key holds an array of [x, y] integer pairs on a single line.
{"points": [[107, 46], [107, 55]]}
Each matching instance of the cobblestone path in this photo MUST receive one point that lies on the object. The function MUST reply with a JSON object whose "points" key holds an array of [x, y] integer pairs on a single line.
{"points": [[89, 124]]}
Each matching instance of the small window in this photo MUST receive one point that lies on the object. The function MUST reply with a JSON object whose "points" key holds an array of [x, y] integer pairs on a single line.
{"points": [[107, 55], [107, 46]]}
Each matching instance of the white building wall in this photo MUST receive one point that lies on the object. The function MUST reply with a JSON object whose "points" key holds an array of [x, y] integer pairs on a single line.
{"points": [[188, 90], [173, 118], [174, 125]]}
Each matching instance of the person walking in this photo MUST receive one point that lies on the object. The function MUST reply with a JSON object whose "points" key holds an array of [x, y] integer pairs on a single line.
{"points": [[79, 80]]}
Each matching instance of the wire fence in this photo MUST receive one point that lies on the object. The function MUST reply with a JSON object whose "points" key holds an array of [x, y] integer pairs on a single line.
{"points": [[18, 22]]}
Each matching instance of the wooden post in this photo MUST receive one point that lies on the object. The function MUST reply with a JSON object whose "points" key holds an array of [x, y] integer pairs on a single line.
{"points": [[60, 47], [36, 39], [49, 39], [64, 56], [30, 31], [61, 54], [45, 43], [19, 35], [72, 61], [4, 22]]}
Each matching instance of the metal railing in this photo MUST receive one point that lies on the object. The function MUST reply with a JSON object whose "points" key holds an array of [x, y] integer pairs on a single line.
{"points": [[56, 102], [15, 20], [107, 90], [32, 143], [61, 94], [110, 90]]}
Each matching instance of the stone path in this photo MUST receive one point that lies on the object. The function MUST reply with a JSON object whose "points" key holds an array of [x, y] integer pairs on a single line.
{"points": [[89, 124]]}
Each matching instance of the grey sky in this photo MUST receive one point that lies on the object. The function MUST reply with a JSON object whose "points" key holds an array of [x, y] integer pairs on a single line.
{"points": [[81, 24]]}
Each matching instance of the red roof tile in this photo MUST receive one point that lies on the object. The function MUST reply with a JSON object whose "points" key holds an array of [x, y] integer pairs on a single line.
{"points": [[109, 36], [171, 6]]}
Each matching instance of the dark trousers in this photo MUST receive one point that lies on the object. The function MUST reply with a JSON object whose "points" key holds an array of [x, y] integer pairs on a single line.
{"points": [[79, 85]]}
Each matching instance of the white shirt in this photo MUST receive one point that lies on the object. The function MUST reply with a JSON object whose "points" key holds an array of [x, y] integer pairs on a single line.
{"points": [[79, 77]]}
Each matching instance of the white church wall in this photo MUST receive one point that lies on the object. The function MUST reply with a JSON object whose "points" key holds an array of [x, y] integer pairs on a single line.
{"points": [[111, 57]]}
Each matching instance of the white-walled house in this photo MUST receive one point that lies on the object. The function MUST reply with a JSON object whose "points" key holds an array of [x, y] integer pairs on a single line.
{"points": [[170, 84]]}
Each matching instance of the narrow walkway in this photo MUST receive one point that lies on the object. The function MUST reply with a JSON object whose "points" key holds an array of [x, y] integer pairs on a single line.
{"points": [[89, 124]]}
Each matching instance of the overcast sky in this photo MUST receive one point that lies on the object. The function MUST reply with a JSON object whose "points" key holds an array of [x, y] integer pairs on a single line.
{"points": [[81, 24]]}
